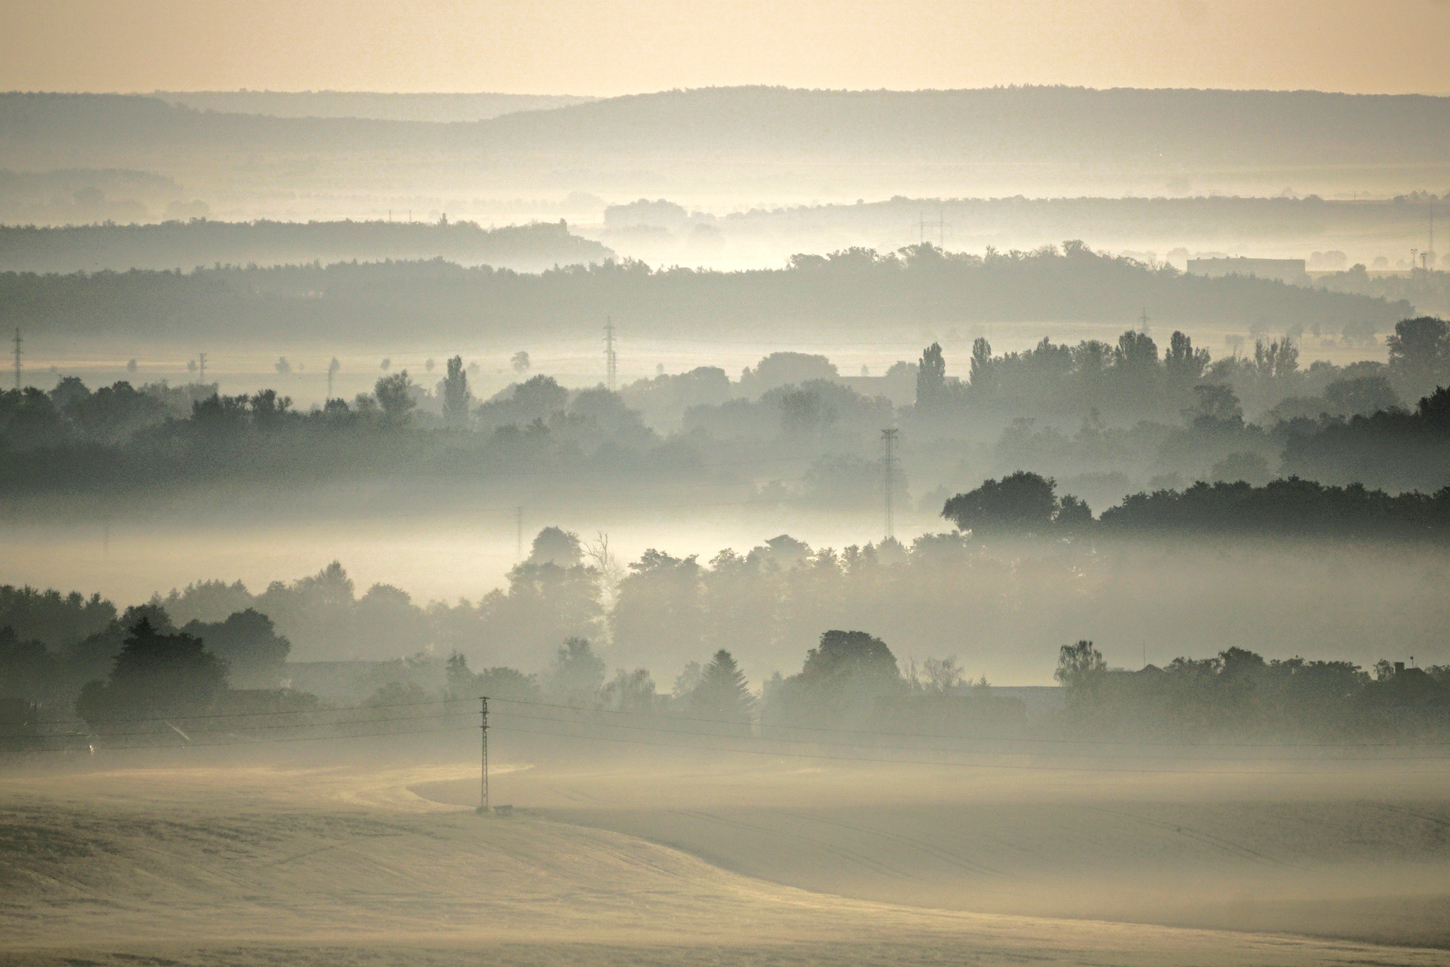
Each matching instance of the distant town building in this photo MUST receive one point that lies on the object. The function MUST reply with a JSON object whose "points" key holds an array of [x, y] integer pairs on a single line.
{"points": [[1283, 270]]}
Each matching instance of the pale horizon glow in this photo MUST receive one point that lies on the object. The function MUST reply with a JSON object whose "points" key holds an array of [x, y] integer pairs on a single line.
{"points": [[632, 46]]}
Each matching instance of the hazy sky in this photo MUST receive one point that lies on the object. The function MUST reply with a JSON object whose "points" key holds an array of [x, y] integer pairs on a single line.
{"points": [[624, 46]]}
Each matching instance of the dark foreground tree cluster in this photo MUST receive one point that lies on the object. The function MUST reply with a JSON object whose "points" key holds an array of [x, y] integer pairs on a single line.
{"points": [[1237, 695], [119, 439], [1331, 424], [51, 645], [1026, 503]]}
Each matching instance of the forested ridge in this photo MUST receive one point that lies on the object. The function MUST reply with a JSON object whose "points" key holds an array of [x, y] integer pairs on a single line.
{"points": [[201, 242], [857, 291]]}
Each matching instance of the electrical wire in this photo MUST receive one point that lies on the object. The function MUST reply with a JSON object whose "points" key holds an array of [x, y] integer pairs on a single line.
{"points": [[709, 721]]}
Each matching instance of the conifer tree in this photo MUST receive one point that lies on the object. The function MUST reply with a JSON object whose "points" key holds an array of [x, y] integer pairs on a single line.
{"points": [[722, 692]]}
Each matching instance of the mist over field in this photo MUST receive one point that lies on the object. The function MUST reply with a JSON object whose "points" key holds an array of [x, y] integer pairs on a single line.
{"points": [[729, 519]]}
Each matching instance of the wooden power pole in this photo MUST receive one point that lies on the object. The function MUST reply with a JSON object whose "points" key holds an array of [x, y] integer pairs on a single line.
{"points": [[483, 797]]}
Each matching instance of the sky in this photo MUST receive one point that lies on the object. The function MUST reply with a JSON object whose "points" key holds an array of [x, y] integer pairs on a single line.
{"points": [[611, 47]]}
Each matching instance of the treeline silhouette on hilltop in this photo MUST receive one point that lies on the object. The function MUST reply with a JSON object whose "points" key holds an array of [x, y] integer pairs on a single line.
{"points": [[1026, 503], [202, 242], [857, 291]]}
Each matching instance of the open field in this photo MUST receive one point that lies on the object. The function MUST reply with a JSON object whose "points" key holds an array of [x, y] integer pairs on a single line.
{"points": [[349, 864], [1351, 854]]}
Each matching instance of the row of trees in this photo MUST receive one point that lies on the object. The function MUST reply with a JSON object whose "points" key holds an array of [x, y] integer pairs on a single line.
{"points": [[1132, 379], [1335, 425], [1026, 503], [850, 291], [991, 596], [49, 654], [160, 679], [850, 682], [1237, 694]]}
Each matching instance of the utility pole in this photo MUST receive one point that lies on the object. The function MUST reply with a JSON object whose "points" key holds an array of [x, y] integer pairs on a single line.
{"points": [[519, 540], [888, 437], [611, 361], [483, 798], [1143, 321], [18, 341], [201, 361]]}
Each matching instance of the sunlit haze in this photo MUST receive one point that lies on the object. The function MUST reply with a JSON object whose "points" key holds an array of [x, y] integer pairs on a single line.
{"points": [[633, 46], [705, 484]]}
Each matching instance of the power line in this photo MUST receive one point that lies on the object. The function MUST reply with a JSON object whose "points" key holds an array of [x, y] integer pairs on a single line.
{"points": [[968, 765], [773, 752], [907, 748], [669, 718], [932, 735]]}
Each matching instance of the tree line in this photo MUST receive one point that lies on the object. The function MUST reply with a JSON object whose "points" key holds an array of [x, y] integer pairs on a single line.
{"points": [[1237, 695], [990, 597], [202, 242], [850, 291], [1339, 425], [159, 680], [1026, 503]]}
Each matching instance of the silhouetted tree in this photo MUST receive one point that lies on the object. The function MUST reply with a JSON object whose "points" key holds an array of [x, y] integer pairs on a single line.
{"points": [[931, 379], [554, 545], [456, 397], [1072, 513], [1361, 396], [248, 645], [721, 692], [155, 674], [1078, 662], [1420, 353], [576, 674], [395, 398], [1216, 408], [1021, 501], [1183, 363], [980, 375]]}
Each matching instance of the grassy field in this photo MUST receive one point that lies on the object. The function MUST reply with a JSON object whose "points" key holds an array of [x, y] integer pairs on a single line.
{"points": [[247, 864]]}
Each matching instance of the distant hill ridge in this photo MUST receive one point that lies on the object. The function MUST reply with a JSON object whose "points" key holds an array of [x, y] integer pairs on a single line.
{"points": [[178, 244], [440, 108], [999, 124]]}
